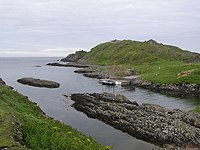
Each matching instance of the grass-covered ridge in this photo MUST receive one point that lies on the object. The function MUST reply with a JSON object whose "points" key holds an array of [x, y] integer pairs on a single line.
{"points": [[153, 61], [135, 52], [23, 123]]}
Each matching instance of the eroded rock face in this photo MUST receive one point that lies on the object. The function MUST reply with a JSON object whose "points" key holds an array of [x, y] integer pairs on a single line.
{"points": [[38, 82], [2, 82], [74, 57], [149, 122]]}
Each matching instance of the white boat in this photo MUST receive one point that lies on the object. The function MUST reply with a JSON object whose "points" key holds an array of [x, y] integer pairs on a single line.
{"points": [[107, 82]]}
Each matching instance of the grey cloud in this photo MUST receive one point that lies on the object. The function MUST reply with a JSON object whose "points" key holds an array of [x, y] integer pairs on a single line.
{"points": [[52, 24]]}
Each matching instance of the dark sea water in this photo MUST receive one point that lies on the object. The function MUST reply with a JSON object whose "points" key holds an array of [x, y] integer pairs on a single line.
{"points": [[54, 104]]}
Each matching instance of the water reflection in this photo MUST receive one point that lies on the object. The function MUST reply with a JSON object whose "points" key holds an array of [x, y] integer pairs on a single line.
{"points": [[108, 89]]}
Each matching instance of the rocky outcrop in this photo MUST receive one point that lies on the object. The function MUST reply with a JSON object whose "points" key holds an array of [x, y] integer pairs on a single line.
{"points": [[2, 82], [93, 75], [85, 70], [68, 65], [74, 57], [148, 122], [91, 72], [38, 82], [178, 88]]}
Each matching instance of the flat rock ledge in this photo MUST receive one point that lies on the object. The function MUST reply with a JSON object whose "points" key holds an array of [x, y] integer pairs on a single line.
{"points": [[85, 70], [148, 122], [77, 65], [38, 82]]}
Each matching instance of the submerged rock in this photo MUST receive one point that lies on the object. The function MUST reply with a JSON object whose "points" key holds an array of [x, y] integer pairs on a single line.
{"points": [[149, 122], [38, 82]]}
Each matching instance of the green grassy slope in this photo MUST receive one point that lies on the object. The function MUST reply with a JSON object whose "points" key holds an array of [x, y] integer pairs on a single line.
{"points": [[134, 52], [153, 61], [23, 123], [166, 72]]}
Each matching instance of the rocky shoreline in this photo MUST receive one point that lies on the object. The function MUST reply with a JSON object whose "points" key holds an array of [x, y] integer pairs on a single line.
{"points": [[77, 65], [181, 89], [148, 122], [172, 89], [38, 82], [89, 73]]}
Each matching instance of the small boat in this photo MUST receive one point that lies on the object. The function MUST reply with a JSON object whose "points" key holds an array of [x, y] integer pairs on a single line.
{"points": [[107, 82]]}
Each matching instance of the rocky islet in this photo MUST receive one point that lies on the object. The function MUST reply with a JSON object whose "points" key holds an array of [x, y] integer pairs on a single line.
{"points": [[38, 82]]}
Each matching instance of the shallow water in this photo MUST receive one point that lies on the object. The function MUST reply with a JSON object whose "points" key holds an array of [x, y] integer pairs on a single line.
{"points": [[57, 106]]}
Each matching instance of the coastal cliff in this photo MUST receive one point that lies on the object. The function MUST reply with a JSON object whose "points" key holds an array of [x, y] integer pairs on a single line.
{"points": [[74, 57]]}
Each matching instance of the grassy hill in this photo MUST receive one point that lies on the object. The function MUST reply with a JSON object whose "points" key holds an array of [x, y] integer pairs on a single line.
{"points": [[134, 52], [24, 126], [153, 61]]}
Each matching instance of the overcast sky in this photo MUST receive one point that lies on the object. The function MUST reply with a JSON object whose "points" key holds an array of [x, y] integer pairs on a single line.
{"points": [[59, 27]]}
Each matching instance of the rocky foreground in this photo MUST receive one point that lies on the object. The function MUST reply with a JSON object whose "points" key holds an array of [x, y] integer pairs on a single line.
{"points": [[148, 122], [38, 82]]}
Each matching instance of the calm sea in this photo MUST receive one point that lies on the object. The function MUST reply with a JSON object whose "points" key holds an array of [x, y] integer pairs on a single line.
{"points": [[54, 104]]}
